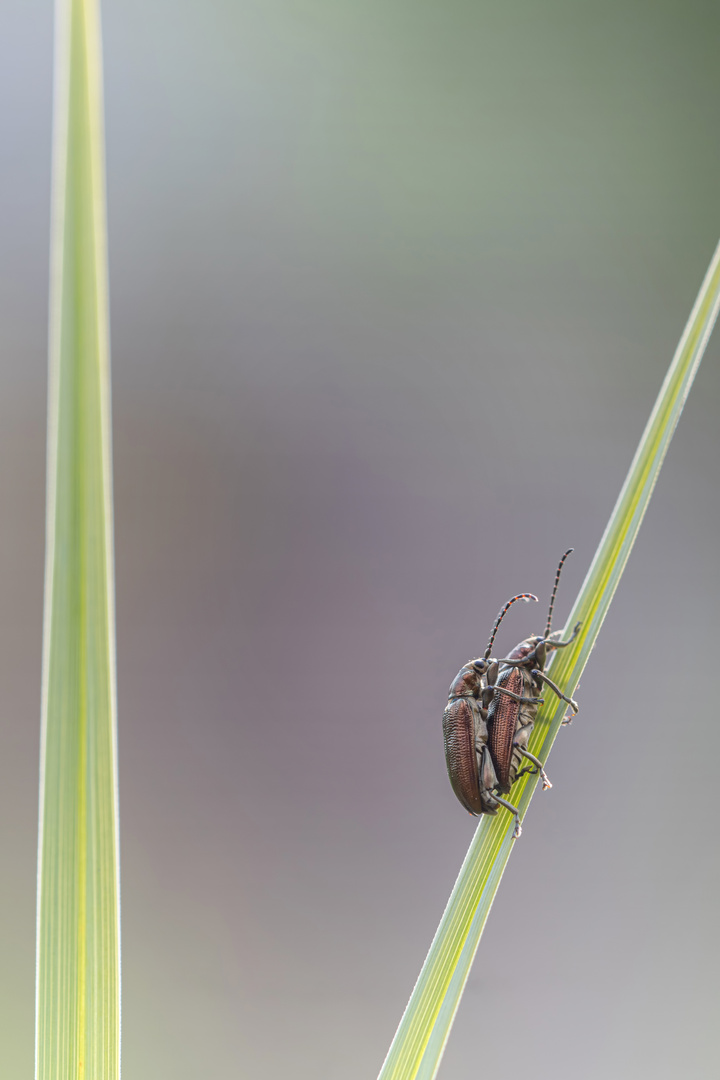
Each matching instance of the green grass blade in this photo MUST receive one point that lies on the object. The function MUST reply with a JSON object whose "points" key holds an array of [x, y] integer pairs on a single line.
{"points": [[78, 945], [420, 1039]]}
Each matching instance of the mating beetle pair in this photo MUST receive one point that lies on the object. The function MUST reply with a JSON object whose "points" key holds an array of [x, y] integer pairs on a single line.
{"points": [[490, 714]]}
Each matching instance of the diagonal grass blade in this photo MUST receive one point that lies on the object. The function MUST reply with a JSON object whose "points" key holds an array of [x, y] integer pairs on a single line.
{"points": [[78, 946], [420, 1039]]}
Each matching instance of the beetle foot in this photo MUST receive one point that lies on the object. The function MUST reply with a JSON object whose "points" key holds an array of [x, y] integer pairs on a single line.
{"points": [[570, 716], [538, 770], [517, 831]]}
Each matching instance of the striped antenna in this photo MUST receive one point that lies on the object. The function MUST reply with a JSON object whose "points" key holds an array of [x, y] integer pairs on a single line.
{"points": [[552, 598], [522, 596]]}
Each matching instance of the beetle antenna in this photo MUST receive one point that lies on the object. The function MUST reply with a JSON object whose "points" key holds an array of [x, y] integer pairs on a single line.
{"points": [[521, 596], [552, 598]]}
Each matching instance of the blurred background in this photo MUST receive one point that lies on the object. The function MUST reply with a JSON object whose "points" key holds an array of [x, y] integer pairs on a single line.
{"points": [[393, 286]]}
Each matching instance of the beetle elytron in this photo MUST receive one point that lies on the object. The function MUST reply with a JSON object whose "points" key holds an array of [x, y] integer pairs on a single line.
{"points": [[490, 715]]}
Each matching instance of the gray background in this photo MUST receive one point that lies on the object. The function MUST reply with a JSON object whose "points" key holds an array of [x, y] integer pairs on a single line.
{"points": [[394, 286]]}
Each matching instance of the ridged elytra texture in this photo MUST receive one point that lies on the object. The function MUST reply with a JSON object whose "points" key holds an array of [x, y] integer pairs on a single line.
{"points": [[502, 724], [460, 756]]}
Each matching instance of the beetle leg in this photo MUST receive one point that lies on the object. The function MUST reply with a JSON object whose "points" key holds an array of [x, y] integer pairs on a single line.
{"points": [[539, 768], [488, 780], [518, 697], [531, 658], [556, 689], [564, 644], [513, 810], [569, 717]]}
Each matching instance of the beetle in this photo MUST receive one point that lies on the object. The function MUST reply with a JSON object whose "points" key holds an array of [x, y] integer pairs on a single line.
{"points": [[490, 714]]}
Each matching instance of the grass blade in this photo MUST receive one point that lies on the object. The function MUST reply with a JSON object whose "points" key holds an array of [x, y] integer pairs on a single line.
{"points": [[78, 945], [417, 1048]]}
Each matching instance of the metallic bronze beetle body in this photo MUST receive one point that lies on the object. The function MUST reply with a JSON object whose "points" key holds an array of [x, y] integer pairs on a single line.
{"points": [[490, 714]]}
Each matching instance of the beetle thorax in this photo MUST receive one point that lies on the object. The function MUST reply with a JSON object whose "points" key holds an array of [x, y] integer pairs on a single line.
{"points": [[525, 648], [467, 683]]}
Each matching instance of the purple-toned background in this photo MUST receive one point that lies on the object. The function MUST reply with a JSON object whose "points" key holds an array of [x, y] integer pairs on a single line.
{"points": [[394, 286]]}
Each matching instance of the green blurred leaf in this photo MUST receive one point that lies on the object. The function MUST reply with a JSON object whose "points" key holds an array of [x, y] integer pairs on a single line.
{"points": [[417, 1048], [78, 970]]}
